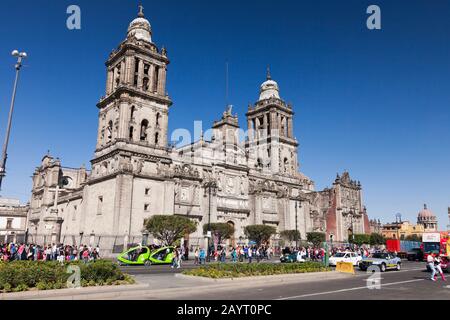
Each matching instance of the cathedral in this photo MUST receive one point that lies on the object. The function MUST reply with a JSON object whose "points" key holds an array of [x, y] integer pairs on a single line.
{"points": [[237, 177]]}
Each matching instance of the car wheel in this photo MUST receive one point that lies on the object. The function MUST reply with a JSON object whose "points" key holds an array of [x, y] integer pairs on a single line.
{"points": [[147, 263], [399, 266], [383, 267]]}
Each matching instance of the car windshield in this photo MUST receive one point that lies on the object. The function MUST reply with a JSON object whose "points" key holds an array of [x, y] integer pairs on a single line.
{"points": [[379, 256], [340, 255]]}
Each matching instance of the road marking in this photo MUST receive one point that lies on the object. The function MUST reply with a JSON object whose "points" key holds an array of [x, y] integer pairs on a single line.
{"points": [[345, 290]]}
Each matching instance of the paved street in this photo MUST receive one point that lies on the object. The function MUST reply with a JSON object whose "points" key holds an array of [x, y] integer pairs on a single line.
{"points": [[162, 282], [409, 283]]}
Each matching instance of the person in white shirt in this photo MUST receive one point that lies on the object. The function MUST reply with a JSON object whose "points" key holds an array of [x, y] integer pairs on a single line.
{"points": [[430, 262]]}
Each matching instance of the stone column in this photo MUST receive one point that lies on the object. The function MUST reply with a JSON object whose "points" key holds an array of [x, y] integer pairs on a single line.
{"points": [[249, 129], [109, 81], [273, 121], [279, 125], [151, 81], [289, 124], [132, 70], [140, 74], [124, 120], [265, 125], [114, 78], [123, 72], [161, 81], [257, 135], [128, 70]]}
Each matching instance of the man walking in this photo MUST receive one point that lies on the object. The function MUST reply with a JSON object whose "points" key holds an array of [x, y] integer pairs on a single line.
{"points": [[430, 262]]}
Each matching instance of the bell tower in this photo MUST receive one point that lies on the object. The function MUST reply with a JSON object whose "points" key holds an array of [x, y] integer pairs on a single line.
{"points": [[136, 106], [270, 131]]}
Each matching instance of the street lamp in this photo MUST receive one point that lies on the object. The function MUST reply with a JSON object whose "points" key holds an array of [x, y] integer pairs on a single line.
{"points": [[211, 186], [18, 66]]}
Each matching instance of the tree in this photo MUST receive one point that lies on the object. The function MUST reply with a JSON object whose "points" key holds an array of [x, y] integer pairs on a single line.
{"points": [[260, 233], [169, 228], [220, 230], [316, 238], [290, 235], [377, 239], [413, 237], [360, 239]]}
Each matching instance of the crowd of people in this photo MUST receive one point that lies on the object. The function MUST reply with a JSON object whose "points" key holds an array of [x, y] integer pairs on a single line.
{"points": [[50, 252], [234, 254]]}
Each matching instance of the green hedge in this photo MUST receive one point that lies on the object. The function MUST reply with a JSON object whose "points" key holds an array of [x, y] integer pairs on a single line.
{"points": [[256, 269], [23, 275]]}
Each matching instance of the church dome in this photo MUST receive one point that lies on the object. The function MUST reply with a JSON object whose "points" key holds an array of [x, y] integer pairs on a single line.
{"points": [[426, 213], [140, 27], [269, 89]]}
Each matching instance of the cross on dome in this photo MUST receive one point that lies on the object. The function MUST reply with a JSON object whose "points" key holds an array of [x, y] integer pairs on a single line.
{"points": [[141, 11]]}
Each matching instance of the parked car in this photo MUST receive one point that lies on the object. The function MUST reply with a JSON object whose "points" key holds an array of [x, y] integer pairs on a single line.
{"points": [[416, 254], [352, 257], [295, 256], [382, 260]]}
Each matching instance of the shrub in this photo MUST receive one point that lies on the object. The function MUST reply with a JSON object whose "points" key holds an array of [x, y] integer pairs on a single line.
{"points": [[256, 269], [47, 275]]}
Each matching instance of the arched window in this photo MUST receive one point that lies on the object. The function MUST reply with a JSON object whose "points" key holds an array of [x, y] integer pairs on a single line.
{"points": [[109, 130], [133, 110], [158, 116], [131, 133], [286, 162], [145, 84], [144, 126], [259, 163], [156, 138]]}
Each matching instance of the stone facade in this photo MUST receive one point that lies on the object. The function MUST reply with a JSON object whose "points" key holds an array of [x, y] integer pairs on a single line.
{"points": [[135, 174]]}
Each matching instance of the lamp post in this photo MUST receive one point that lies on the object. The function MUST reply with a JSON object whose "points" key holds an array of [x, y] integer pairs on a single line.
{"points": [[211, 186], [20, 56]]}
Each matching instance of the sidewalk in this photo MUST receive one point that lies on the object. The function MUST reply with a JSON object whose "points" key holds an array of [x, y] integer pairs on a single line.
{"points": [[172, 286]]}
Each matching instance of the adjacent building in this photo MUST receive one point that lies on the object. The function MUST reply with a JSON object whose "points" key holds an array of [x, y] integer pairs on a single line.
{"points": [[426, 222], [13, 220]]}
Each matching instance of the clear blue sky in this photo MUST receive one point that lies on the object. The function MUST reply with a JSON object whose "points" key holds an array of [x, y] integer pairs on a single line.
{"points": [[376, 103]]}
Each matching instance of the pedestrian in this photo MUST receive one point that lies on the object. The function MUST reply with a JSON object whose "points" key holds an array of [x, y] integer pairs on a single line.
{"points": [[430, 263], [202, 256], [196, 256], [175, 258], [223, 254], [250, 255], [233, 255], [179, 258], [241, 254], [437, 265]]}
